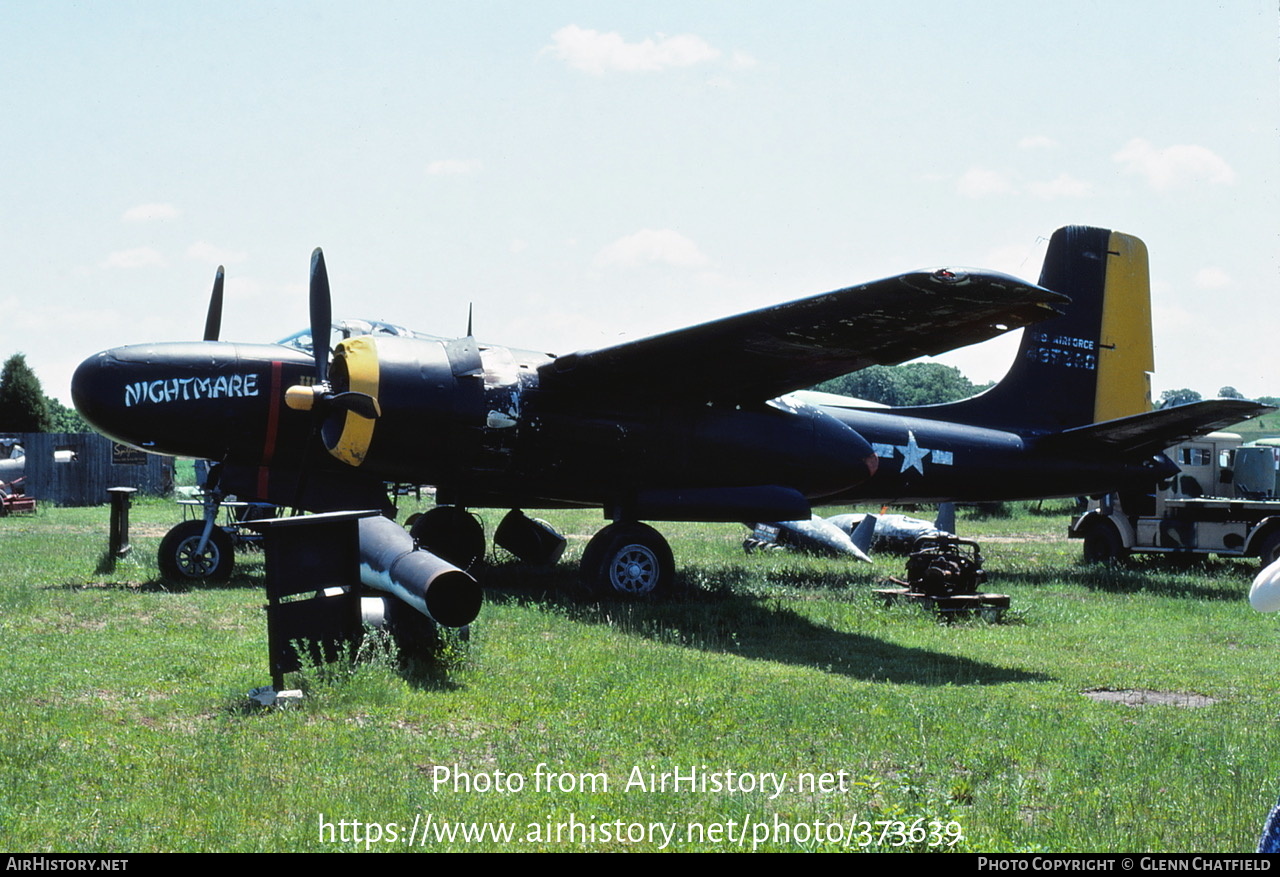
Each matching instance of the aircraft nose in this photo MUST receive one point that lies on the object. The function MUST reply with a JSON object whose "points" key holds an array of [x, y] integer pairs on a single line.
{"points": [[198, 399], [95, 388]]}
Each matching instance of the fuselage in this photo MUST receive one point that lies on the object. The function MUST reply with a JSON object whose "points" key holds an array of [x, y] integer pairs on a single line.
{"points": [[470, 419], [475, 421], [925, 460]]}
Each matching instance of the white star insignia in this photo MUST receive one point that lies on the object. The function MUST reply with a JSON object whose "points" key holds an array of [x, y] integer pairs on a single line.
{"points": [[912, 454]]}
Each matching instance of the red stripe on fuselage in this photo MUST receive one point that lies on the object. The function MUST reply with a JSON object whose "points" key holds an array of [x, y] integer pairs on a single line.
{"points": [[273, 426]]}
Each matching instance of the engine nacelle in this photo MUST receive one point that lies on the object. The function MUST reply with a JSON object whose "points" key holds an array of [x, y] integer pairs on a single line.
{"points": [[431, 395]]}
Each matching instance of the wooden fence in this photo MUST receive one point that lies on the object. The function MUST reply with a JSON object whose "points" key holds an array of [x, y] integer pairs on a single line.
{"points": [[75, 469]]}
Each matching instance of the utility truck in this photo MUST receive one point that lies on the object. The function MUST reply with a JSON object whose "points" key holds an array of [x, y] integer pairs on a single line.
{"points": [[1223, 501]]}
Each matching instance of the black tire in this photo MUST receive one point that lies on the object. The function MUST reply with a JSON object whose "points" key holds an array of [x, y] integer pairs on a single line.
{"points": [[179, 562], [1269, 551], [628, 560], [452, 534], [1102, 544]]}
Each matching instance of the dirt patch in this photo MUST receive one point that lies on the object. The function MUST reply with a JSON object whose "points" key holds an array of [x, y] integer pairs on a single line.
{"points": [[1145, 697], [1020, 539]]}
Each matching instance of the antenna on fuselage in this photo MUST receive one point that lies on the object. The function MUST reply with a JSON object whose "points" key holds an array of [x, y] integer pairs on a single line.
{"points": [[470, 305]]}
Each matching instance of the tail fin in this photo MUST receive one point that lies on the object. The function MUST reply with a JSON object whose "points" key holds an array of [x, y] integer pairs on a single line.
{"points": [[1093, 363]]}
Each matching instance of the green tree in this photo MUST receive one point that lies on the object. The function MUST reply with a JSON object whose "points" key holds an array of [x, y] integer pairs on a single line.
{"points": [[1170, 398], [64, 419], [22, 401], [916, 383], [1230, 393]]}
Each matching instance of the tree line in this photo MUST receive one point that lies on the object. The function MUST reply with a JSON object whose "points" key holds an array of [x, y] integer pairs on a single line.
{"points": [[916, 383], [25, 408], [931, 383]]}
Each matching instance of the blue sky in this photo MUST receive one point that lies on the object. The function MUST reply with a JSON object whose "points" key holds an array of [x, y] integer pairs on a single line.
{"points": [[587, 172]]}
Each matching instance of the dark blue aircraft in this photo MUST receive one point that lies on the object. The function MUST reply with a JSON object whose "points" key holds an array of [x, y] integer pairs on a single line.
{"points": [[699, 424]]}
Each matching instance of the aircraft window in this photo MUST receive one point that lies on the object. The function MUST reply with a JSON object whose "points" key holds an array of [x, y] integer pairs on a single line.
{"points": [[301, 340]]}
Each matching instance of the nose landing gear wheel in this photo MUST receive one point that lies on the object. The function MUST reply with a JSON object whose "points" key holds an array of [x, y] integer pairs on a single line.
{"points": [[180, 561], [628, 560]]}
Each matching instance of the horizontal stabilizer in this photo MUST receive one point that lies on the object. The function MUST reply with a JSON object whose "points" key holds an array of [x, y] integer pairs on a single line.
{"points": [[759, 355], [1151, 432]]}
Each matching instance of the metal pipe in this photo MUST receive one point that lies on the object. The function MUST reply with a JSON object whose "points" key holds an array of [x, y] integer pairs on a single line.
{"points": [[437, 589]]}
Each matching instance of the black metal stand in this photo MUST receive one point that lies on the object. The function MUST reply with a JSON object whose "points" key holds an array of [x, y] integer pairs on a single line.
{"points": [[316, 555], [118, 544]]}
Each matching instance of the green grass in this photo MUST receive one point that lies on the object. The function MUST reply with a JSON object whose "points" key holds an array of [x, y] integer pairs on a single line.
{"points": [[1260, 427], [124, 724]]}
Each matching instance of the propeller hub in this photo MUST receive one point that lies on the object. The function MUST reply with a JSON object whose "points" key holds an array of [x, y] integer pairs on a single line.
{"points": [[301, 397]]}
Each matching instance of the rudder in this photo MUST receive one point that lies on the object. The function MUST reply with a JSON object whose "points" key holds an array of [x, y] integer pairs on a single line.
{"points": [[1091, 364]]}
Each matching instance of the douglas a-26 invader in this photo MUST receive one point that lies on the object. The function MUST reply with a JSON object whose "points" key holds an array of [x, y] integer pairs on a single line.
{"points": [[699, 424]]}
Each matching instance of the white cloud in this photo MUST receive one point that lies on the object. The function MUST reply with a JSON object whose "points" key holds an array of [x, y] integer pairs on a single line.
{"points": [[1174, 166], [454, 166], [206, 252], [1212, 278], [594, 52], [979, 182], [140, 257], [1037, 141], [653, 245], [1062, 186], [149, 212]]}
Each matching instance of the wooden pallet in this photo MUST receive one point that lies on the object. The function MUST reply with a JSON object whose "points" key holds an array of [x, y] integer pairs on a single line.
{"points": [[991, 607]]}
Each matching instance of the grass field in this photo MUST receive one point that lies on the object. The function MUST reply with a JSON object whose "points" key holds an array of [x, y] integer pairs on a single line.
{"points": [[124, 724]]}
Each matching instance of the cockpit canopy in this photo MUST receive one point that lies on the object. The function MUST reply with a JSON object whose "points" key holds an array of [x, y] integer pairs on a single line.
{"points": [[301, 340]]}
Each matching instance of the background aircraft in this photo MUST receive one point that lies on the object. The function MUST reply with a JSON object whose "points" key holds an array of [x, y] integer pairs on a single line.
{"points": [[691, 425]]}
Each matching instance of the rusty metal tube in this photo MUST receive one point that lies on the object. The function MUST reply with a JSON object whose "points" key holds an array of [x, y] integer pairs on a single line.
{"points": [[437, 589]]}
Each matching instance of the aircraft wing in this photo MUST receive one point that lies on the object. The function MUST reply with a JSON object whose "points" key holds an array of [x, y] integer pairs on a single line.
{"points": [[762, 354], [1151, 432]]}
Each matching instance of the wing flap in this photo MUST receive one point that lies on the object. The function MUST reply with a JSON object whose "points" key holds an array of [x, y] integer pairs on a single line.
{"points": [[762, 354]]}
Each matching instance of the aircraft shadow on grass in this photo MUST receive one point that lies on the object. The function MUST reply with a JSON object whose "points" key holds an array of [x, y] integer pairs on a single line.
{"points": [[761, 628], [1164, 577]]}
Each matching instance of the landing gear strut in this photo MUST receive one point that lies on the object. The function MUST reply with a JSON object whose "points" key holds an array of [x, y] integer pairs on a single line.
{"points": [[451, 533], [198, 551]]}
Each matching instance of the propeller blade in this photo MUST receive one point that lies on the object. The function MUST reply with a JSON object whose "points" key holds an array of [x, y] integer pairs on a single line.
{"points": [[321, 315], [213, 321]]}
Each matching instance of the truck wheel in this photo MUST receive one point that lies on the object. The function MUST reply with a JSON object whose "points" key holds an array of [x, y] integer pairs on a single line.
{"points": [[1269, 552], [1102, 544], [180, 562]]}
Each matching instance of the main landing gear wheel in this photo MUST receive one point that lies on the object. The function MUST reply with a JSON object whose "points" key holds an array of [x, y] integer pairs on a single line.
{"points": [[628, 560], [180, 561], [450, 533]]}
